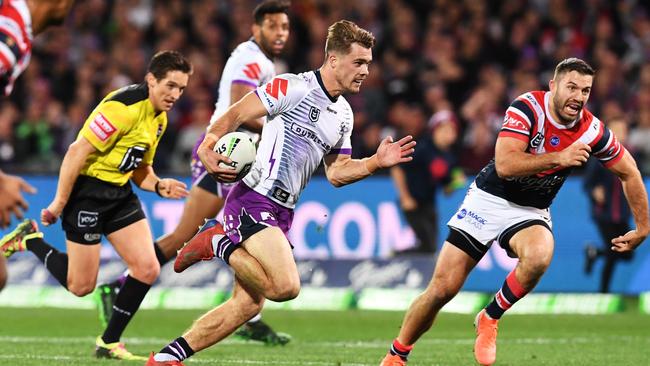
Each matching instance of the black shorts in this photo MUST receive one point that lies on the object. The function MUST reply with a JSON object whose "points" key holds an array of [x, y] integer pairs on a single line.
{"points": [[97, 208]]}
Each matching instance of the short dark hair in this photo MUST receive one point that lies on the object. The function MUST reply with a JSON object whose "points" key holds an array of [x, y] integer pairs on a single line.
{"points": [[269, 7], [164, 61], [342, 34], [573, 64]]}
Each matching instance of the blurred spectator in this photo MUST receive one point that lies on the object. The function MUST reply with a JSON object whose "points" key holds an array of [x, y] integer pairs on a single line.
{"points": [[609, 210], [433, 167], [469, 57]]}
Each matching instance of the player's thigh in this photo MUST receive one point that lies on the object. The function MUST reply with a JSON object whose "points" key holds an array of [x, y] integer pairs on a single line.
{"points": [[452, 268], [534, 243], [83, 265], [272, 250], [201, 204], [3, 272], [135, 245]]}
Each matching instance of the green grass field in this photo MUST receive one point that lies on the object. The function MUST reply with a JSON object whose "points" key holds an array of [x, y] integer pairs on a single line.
{"points": [[66, 337]]}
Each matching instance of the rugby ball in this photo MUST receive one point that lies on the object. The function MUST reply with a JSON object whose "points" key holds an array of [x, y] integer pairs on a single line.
{"points": [[240, 148]]}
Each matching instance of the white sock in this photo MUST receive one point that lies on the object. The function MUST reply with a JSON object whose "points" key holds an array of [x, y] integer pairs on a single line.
{"points": [[256, 318]]}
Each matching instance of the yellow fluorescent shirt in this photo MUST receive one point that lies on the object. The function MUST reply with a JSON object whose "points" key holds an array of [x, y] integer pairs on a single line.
{"points": [[125, 130]]}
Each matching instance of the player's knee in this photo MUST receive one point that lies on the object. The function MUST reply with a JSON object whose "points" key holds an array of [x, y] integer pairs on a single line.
{"points": [[147, 273], [538, 259], [80, 288], [285, 292]]}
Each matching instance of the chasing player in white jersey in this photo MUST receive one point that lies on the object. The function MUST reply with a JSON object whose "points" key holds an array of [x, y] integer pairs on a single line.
{"points": [[249, 66], [20, 21], [308, 121]]}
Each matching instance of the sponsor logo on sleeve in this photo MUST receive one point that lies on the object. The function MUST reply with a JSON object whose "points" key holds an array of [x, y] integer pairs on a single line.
{"points": [[536, 141], [101, 127], [252, 71], [513, 123], [277, 87]]}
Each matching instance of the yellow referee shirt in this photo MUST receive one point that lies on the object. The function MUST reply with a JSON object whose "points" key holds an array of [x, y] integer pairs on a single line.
{"points": [[125, 130]]}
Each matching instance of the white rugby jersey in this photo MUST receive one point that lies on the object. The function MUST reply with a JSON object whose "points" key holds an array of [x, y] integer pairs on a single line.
{"points": [[304, 124], [246, 65], [15, 42]]}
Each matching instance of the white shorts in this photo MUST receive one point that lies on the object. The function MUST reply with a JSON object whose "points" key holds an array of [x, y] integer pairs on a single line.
{"points": [[483, 218]]}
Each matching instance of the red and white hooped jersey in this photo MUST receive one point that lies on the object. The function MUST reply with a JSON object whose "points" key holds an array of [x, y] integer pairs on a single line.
{"points": [[15, 41], [528, 119]]}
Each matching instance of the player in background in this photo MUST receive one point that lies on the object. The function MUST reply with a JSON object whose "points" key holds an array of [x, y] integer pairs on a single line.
{"points": [[308, 122], [250, 65], [117, 143], [609, 210], [544, 136], [20, 21]]}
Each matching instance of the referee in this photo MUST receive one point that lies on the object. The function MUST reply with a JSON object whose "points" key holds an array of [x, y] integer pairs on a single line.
{"points": [[94, 197]]}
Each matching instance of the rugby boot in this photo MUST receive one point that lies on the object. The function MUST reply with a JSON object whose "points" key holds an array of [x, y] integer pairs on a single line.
{"points": [[152, 362], [16, 241], [485, 346], [261, 332], [199, 248], [115, 351], [392, 360], [104, 297]]}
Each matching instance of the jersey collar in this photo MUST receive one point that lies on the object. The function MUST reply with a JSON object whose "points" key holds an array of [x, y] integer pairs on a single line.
{"points": [[322, 86], [547, 97]]}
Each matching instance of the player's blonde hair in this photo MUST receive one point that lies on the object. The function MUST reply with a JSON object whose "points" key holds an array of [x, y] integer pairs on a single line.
{"points": [[342, 34]]}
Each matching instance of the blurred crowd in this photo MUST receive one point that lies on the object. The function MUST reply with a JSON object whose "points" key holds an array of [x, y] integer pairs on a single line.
{"points": [[462, 60]]}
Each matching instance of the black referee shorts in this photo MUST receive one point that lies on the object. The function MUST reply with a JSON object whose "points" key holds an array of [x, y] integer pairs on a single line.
{"points": [[97, 208]]}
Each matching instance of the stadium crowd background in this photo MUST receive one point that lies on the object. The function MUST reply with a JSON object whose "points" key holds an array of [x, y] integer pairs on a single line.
{"points": [[435, 59]]}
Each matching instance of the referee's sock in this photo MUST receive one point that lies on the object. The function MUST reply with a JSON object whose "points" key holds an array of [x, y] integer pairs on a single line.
{"points": [[126, 304], [54, 261]]}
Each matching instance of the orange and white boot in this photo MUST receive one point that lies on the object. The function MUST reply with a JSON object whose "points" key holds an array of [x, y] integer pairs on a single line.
{"points": [[485, 346]]}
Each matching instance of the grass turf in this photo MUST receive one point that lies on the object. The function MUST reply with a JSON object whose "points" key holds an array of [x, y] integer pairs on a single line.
{"points": [[47, 336]]}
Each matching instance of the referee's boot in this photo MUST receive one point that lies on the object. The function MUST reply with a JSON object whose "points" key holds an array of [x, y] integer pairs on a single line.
{"points": [[16, 241]]}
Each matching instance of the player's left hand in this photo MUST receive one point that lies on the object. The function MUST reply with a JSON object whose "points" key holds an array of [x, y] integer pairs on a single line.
{"points": [[172, 188], [391, 153], [12, 202], [627, 242]]}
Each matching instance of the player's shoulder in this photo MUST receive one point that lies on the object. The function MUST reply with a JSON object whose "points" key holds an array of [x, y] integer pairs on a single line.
{"points": [[296, 83], [534, 97], [249, 51], [129, 95]]}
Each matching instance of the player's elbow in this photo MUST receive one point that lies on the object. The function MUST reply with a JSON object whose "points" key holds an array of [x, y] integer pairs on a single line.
{"points": [[334, 178], [503, 170], [336, 182]]}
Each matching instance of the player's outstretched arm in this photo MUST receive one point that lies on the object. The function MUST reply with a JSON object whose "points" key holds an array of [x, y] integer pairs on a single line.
{"points": [[248, 108], [341, 169], [73, 162], [12, 202], [145, 177], [512, 160], [637, 198]]}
